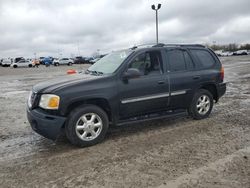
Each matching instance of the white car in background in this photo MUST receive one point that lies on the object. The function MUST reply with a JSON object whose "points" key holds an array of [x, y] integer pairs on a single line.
{"points": [[63, 61], [226, 53], [22, 63], [6, 62]]}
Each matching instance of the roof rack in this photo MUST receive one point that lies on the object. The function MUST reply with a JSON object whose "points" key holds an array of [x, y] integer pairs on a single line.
{"points": [[178, 45], [166, 45], [142, 45], [159, 45]]}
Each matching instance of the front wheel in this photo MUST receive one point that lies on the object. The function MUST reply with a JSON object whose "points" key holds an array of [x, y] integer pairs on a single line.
{"points": [[86, 125], [201, 105], [69, 64]]}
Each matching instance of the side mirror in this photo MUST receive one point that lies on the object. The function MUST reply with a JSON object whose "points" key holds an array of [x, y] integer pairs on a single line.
{"points": [[131, 73]]}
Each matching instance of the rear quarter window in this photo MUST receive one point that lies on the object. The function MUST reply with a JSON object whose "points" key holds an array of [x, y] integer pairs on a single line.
{"points": [[205, 58]]}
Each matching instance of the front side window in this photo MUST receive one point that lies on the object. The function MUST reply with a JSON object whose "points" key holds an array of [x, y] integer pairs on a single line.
{"points": [[148, 63]]}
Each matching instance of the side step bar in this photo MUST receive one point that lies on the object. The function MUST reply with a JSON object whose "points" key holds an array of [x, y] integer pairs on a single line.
{"points": [[154, 116]]}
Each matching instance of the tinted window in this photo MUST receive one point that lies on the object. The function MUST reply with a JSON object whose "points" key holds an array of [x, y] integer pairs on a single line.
{"points": [[188, 60], [176, 60], [149, 63], [204, 57]]}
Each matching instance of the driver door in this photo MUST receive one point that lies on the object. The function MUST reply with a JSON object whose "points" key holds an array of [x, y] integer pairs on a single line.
{"points": [[147, 93]]}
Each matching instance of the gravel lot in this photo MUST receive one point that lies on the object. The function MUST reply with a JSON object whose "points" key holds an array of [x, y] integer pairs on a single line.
{"points": [[182, 152]]}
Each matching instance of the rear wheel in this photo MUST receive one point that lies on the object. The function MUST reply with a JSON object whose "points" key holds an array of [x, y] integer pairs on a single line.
{"points": [[69, 64], [15, 66], [201, 105], [86, 125]]}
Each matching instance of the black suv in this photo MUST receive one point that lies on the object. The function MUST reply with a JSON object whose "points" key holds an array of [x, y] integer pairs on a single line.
{"points": [[132, 85]]}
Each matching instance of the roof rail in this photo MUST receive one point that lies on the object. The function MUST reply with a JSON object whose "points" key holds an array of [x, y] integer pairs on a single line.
{"points": [[185, 45], [178, 45], [159, 45], [166, 45], [142, 45]]}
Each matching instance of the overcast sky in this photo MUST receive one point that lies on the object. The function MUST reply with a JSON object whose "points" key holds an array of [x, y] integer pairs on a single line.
{"points": [[52, 27]]}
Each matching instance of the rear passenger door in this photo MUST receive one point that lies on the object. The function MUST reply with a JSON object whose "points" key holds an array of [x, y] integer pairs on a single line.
{"points": [[182, 76], [207, 65]]}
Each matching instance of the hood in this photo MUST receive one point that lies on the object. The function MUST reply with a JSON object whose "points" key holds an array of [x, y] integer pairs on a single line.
{"points": [[61, 82]]}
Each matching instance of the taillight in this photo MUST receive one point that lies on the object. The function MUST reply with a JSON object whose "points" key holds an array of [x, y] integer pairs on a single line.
{"points": [[222, 73]]}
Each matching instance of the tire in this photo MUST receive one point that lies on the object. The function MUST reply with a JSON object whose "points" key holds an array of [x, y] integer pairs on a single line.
{"points": [[15, 66], [69, 64], [201, 105], [30, 66], [81, 118]]}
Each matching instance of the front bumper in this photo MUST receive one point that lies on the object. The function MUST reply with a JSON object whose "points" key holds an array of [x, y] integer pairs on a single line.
{"points": [[49, 126], [221, 89]]}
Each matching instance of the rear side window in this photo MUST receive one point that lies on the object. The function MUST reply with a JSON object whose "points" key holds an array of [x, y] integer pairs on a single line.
{"points": [[204, 57], [176, 60], [179, 60], [188, 60]]}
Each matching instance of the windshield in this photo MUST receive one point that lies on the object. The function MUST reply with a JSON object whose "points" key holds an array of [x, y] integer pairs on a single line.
{"points": [[109, 63]]}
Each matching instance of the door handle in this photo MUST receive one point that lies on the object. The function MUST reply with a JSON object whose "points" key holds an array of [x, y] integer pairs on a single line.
{"points": [[196, 77], [161, 82]]}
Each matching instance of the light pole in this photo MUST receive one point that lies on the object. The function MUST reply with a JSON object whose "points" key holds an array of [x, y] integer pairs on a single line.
{"points": [[156, 16]]}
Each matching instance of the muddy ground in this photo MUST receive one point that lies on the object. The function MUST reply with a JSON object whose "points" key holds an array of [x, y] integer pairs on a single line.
{"points": [[182, 152]]}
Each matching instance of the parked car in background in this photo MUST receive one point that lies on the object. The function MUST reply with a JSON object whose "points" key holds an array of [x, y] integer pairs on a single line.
{"points": [[223, 53], [6, 62], [17, 59], [240, 52], [22, 63], [94, 60], [47, 61], [80, 60], [63, 61], [226, 53], [41, 60]]}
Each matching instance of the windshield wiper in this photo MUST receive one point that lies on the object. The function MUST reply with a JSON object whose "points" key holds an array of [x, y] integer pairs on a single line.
{"points": [[94, 72]]}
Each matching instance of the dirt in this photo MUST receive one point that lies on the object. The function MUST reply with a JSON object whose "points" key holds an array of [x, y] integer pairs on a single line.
{"points": [[182, 152]]}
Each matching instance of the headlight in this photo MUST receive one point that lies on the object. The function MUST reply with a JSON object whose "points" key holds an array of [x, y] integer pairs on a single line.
{"points": [[49, 101]]}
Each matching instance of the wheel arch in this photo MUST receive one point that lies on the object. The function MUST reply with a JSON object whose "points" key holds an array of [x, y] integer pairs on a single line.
{"points": [[100, 102], [212, 89]]}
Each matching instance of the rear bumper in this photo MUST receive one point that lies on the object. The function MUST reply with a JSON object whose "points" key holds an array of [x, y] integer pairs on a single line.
{"points": [[221, 89], [49, 126]]}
